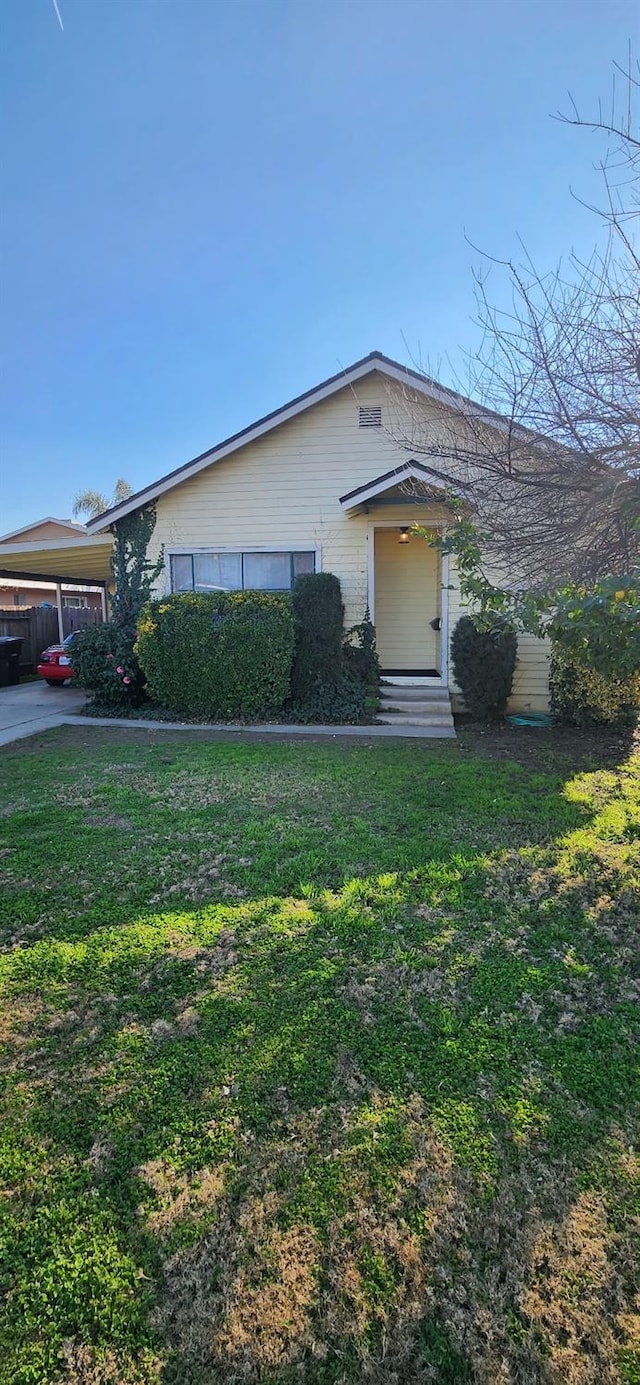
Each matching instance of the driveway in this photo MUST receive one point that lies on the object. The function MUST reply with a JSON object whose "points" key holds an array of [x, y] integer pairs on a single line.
{"points": [[34, 707]]}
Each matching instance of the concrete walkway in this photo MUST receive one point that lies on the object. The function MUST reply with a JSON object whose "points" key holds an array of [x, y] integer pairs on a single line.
{"points": [[34, 707]]}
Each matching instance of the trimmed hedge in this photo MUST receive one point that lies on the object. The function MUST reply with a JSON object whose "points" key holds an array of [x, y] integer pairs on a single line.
{"points": [[219, 654], [105, 663], [483, 665], [582, 696], [332, 678], [319, 617], [343, 703]]}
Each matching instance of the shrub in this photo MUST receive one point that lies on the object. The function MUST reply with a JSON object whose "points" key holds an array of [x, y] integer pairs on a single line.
{"points": [[319, 616], [360, 655], [343, 703], [600, 628], [483, 665], [582, 696], [223, 654], [106, 664]]}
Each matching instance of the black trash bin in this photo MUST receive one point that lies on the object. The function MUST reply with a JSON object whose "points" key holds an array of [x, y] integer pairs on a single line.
{"points": [[10, 651]]}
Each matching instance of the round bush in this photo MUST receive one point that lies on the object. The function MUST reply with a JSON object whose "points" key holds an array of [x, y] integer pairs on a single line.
{"points": [[218, 655], [483, 665], [105, 663]]}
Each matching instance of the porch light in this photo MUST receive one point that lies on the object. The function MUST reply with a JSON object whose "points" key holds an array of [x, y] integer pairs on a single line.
{"points": [[404, 534]]}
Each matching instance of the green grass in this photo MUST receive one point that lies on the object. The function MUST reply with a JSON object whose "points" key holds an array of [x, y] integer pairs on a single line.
{"points": [[320, 1060]]}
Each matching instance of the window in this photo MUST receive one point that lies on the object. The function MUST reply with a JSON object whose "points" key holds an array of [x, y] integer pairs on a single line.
{"points": [[267, 572], [217, 571], [371, 417], [77, 603], [19, 599]]}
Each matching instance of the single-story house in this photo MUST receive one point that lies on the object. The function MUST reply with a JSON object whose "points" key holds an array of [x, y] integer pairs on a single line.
{"points": [[55, 561], [18, 592], [329, 482]]}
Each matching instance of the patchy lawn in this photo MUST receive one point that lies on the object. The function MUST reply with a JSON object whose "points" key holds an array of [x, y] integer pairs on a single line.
{"points": [[319, 1060]]}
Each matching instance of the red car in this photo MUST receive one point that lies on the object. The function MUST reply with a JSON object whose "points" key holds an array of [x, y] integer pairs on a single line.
{"points": [[55, 664]]}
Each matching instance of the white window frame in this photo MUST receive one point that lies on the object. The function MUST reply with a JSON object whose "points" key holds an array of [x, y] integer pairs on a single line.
{"points": [[178, 550]]}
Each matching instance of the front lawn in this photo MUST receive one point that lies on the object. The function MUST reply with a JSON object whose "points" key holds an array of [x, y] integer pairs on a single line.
{"points": [[320, 1060]]}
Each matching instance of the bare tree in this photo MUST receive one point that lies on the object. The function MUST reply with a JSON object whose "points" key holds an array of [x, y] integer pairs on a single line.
{"points": [[549, 456]]}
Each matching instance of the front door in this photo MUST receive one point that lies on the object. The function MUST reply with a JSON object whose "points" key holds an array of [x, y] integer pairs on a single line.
{"points": [[407, 598]]}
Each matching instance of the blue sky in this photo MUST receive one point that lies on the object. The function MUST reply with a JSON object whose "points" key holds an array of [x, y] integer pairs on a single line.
{"points": [[211, 205]]}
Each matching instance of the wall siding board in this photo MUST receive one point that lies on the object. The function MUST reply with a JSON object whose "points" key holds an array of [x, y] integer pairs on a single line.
{"points": [[284, 489]]}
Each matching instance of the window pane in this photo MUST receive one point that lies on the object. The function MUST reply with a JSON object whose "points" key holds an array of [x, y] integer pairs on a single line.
{"points": [[181, 572], [267, 571], [217, 571], [303, 562]]}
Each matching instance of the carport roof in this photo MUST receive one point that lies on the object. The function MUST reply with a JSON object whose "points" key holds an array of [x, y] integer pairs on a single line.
{"points": [[85, 560]]}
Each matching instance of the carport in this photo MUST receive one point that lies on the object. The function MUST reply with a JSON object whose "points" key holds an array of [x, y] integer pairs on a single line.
{"points": [[85, 561]]}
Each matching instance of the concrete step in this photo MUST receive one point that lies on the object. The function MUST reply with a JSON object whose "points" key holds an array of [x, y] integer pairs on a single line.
{"points": [[408, 691], [440, 708], [437, 722], [407, 704], [419, 709]]}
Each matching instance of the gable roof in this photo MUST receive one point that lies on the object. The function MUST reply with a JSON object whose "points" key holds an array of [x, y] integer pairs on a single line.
{"points": [[75, 529], [407, 471], [374, 362]]}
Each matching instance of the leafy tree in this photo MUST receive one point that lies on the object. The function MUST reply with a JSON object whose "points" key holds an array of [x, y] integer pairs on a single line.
{"points": [[598, 625], [92, 503]]}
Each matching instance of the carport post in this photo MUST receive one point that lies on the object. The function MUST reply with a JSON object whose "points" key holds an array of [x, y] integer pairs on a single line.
{"points": [[59, 605], [103, 598]]}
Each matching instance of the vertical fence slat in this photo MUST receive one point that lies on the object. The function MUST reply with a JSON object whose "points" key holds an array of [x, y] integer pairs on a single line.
{"points": [[78, 617], [37, 626]]}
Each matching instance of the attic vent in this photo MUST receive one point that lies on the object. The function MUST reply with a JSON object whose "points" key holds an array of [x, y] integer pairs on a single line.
{"points": [[371, 417]]}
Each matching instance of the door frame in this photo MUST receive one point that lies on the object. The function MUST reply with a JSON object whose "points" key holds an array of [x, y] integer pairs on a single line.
{"points": [[443, 679]]}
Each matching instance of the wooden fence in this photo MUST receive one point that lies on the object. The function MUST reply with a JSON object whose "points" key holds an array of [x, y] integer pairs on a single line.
{"points": [[77, 617], [37, 626]]}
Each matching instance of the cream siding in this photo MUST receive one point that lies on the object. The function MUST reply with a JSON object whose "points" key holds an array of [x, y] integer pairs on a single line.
{"points": [[283, 490]]}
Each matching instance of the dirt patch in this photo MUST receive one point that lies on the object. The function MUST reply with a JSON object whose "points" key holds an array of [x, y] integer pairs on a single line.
{"points": [[574, 1295], [524, 1285], [110, 820], [265, 1290], [208, 963], [588, 748], [19, 1029], [178, 1196], [84, 1365]]}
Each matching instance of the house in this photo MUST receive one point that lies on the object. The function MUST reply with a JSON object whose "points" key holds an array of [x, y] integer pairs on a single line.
{"points": [[16, 592], [329, 481], [24, 594]]}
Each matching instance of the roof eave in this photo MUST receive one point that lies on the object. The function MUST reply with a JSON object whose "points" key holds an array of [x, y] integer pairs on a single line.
{"points": [[78, 529], [411, 471]]}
